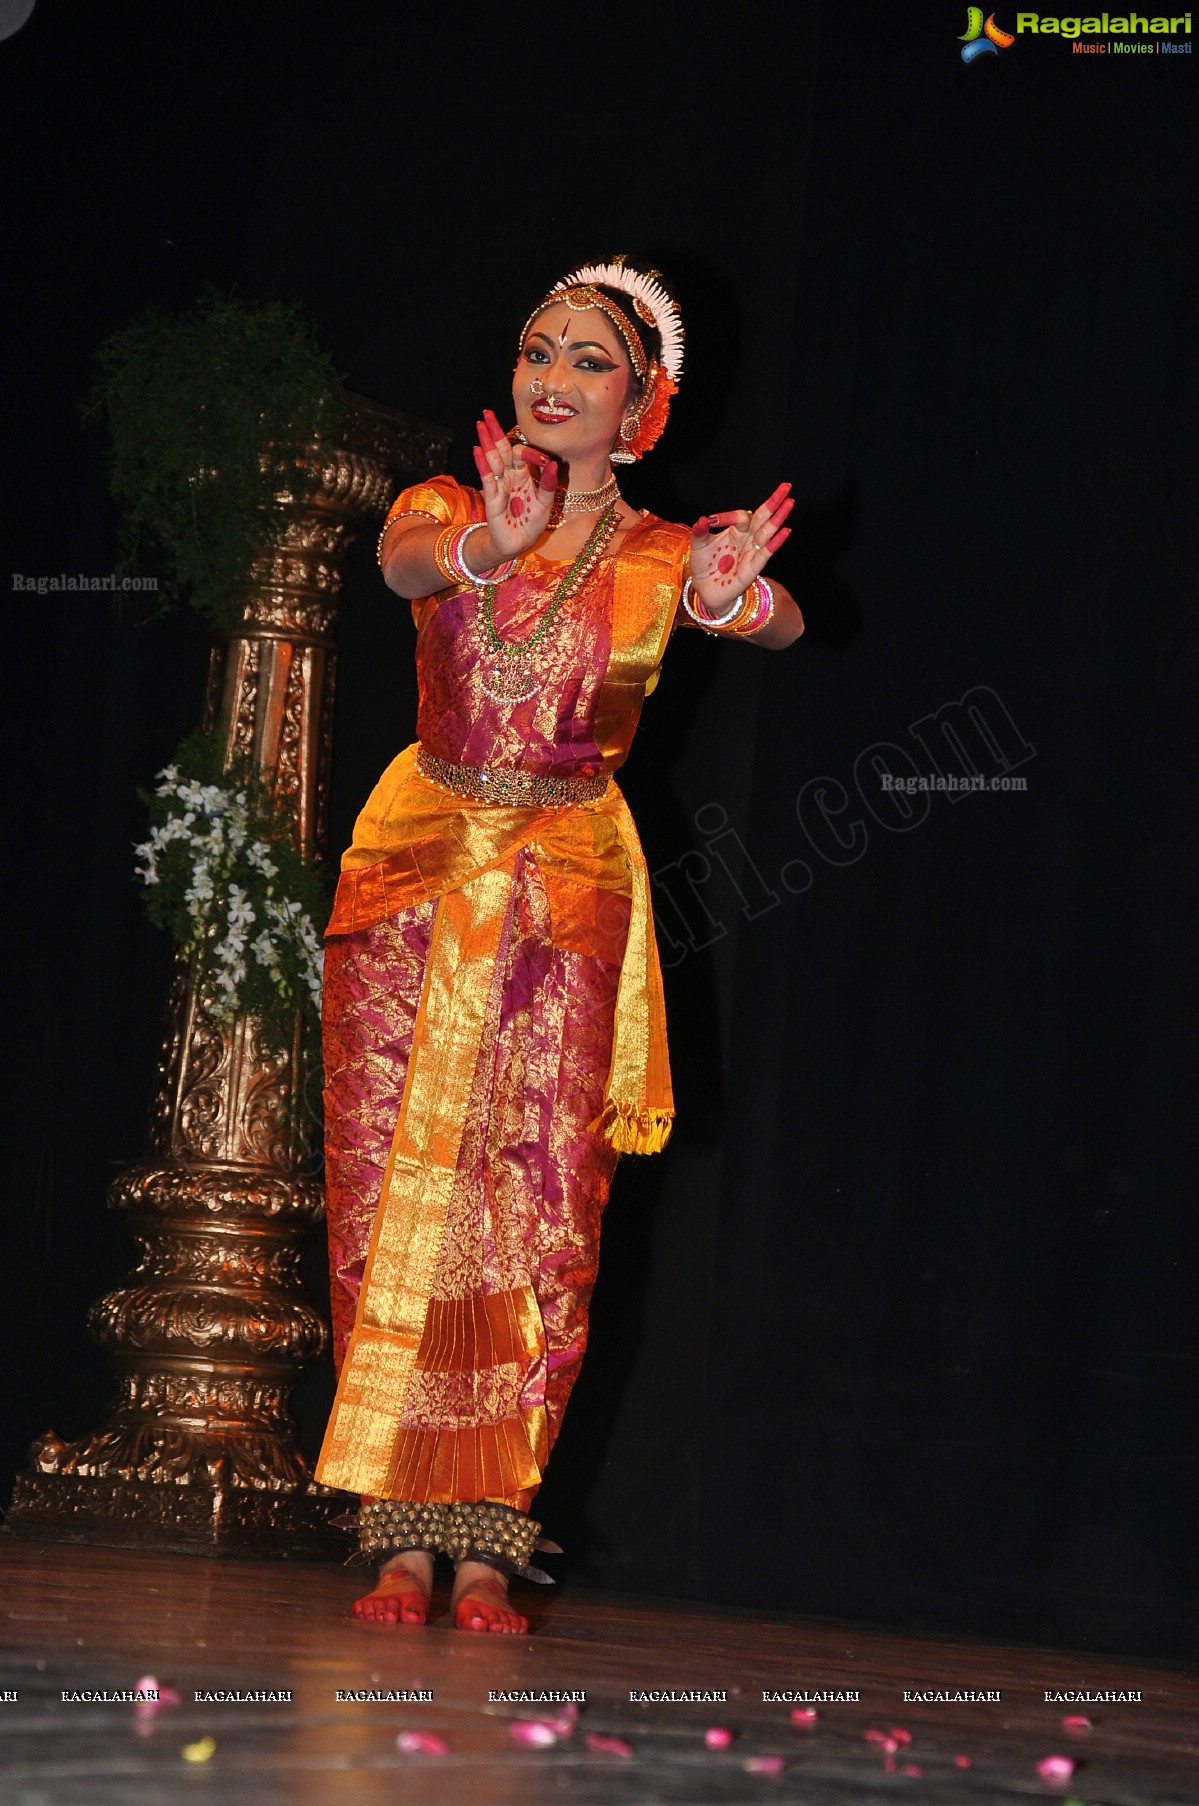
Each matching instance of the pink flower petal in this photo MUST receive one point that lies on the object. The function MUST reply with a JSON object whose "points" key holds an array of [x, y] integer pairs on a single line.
{"points": [[806, 1715], [1078, 1726], [899, 1734], [532, 1733], [874, 1735], [764, 1765], [1055, 1768], [718, 1737], [890, 1744], [421, 1743], [146, 1708], [962, 1762], [607, 1746]]}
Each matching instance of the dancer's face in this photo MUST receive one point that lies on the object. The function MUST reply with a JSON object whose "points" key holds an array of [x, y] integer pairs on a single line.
{"points": [[572, 384]]}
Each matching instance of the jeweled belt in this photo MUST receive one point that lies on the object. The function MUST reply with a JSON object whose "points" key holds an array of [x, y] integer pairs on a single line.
{"points": [[502, 784]]}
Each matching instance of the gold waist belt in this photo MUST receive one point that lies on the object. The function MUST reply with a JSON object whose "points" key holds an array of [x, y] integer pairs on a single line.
{"points": [[514, 789]]}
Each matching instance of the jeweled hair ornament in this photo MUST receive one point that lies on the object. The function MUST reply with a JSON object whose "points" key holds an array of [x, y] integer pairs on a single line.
{"points": [[650, 301]]}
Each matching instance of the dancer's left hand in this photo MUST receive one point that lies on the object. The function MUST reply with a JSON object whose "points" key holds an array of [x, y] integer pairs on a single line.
{"points": [[729, 550]]}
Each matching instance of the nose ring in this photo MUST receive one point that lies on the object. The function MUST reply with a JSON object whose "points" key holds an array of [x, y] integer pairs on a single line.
{"points": [[536, 387]]}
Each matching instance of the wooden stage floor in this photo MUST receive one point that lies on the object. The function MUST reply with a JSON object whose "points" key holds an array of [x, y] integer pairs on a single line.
{"points": [[77, 1620]]}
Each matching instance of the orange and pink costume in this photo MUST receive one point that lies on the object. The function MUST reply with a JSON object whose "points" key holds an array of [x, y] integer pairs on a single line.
{"points": [[494, 1032]]}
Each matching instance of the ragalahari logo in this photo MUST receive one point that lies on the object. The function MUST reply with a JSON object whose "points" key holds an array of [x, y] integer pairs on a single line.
{"points": [[983, 37]]}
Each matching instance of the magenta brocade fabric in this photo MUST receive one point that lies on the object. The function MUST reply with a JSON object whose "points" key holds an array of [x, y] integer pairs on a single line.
{"points": [[532, 1180], [554, 730]]}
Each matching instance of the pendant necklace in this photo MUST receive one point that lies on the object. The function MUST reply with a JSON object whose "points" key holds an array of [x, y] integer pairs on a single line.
{"points": [[509, 674]]}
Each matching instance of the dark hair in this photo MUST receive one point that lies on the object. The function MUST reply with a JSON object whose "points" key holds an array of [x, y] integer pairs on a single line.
{"points": [[650, 337]]}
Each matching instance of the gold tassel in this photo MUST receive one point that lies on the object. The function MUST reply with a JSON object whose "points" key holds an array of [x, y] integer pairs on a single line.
{"points": [[634, 1131]]}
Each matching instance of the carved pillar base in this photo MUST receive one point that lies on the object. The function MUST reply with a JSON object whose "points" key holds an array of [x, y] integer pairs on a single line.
{"points": [[208, 1336], [200, 1519]]}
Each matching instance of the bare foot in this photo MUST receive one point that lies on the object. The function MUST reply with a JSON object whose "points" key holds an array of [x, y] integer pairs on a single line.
{"points": [[480, 1600], [402, 1594]]}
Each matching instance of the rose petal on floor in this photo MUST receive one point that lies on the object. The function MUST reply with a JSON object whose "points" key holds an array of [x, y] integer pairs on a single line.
{"points": [[201, 1751], [805, 1715], [911, 1768], [607, 1746], [874, 1735], [764, 1765], [1077, 1725], [1055, 1768], [900, 1735], [146, 1708], [532, 1733], [962, 1762], [718, 1737], [421, 1743]]}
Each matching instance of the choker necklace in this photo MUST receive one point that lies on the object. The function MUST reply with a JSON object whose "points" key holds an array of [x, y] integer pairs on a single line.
{"points": [[591, 501]]}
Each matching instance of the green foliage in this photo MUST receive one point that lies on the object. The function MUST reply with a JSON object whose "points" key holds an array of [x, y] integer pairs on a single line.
{"points": [[209, 413]]}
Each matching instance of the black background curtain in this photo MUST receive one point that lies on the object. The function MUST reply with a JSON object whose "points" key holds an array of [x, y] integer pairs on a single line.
{"points": [[902, 1326]]}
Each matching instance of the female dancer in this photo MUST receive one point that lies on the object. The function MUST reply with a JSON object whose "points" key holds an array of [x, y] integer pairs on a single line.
{"points": [[494, 1026]]}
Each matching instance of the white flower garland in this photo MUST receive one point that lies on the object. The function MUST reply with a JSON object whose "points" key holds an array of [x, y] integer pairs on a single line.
{"points": [[232, 890]]}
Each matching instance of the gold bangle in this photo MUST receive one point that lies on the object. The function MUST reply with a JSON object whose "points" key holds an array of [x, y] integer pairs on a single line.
{"points": [[731, 621], [440, 548], [760, 597]]}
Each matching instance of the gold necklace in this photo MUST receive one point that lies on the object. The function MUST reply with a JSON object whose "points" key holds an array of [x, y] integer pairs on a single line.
{"points": [[590, 501], [509, 674]]}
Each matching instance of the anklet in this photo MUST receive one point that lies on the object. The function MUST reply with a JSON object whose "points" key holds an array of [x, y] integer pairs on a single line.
{"points": [[496, 1535], [397, 1526]]}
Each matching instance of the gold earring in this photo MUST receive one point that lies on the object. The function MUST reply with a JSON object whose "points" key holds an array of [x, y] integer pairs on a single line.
{"points": [[628, 432]]}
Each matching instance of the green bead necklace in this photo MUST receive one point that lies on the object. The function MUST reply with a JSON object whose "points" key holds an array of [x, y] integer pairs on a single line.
{"points": [[510, 676]]}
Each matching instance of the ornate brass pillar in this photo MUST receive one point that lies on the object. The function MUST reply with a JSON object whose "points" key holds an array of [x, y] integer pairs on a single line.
{"points": [[211, 1329]]}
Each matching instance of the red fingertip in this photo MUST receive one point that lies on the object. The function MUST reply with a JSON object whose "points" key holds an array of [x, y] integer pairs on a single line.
{"points": [[549, 474], [702, 525], [772, 545], [480, 461]]}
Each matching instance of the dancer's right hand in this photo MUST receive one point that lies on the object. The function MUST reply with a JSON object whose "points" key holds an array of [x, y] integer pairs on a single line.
{"points": [[518, 488]]}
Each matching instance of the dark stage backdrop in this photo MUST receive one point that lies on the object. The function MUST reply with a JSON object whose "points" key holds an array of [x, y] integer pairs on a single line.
{"points": [[902, 1326]]}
